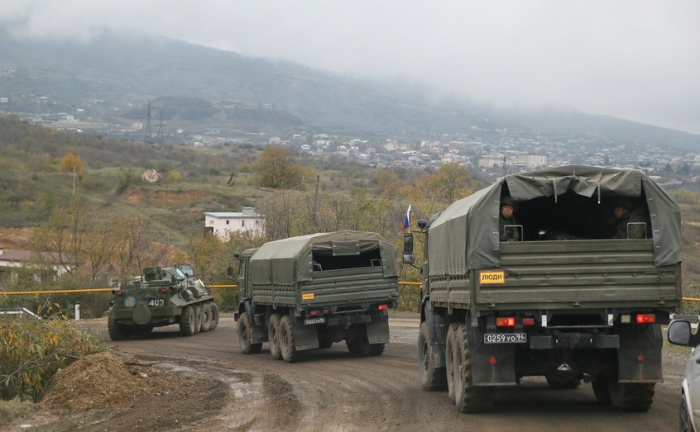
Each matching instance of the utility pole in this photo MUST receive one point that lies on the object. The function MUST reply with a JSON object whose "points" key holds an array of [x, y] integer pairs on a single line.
{"points": [[148, 136]]}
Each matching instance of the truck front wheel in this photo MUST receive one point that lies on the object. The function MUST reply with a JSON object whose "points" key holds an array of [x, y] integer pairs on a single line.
{"points": [[245, 336], [286, 338], [468, 397], [432, 378]]}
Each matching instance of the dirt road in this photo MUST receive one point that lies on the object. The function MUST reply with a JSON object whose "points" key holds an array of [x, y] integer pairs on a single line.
{"points": [[329, 390]]}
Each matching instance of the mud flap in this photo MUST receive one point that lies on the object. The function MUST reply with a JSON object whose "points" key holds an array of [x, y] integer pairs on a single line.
{"points": [[378, 330], [436, 325], [639, 356], [305, 336], [492, 364]]}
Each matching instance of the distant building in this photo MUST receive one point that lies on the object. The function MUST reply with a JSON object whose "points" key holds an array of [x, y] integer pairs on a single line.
{"points": [[223, 224], [40, 268]]}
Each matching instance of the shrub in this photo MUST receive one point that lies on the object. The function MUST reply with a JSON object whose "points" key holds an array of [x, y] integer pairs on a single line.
{"points": [[32, 351]]}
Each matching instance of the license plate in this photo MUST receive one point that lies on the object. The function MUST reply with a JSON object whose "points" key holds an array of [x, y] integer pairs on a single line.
{"points": [[499, 338], [310, 321]]}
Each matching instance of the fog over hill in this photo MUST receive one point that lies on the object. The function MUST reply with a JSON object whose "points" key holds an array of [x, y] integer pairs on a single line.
{"points": [[122, 73]]}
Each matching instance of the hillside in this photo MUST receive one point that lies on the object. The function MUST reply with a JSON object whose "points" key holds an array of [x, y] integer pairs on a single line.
{"points": [[117, 75]]}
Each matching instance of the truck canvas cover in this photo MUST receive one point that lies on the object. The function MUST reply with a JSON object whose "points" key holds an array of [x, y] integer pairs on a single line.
{"points": [[288, 261], [465, 236]]}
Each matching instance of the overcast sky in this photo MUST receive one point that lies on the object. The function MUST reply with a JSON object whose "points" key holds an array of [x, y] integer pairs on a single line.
{"points": [[633, 59]]}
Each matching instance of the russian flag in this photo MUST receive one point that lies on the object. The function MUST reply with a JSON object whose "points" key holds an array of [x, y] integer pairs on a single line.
{"points": [[407, 218]]}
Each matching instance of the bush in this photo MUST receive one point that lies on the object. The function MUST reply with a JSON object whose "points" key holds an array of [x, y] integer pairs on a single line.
{"points": [[32, 351]]}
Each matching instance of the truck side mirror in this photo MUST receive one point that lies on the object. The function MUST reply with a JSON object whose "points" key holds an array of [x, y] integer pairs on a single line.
{"points": [[408, 257]]}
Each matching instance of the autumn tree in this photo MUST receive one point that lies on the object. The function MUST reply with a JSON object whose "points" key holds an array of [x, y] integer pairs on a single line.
{"points": [[450, 183], [278, 168], [72, 163]]}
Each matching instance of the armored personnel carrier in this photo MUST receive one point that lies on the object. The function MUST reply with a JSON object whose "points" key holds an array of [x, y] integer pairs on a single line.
{"points": [[161, 297]]}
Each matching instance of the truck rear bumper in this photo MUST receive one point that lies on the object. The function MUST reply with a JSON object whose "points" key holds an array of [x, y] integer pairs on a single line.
{"points": [[574, 341]]}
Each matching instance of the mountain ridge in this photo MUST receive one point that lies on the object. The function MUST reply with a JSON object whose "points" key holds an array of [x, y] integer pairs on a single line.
{"points": [[127, 71]]}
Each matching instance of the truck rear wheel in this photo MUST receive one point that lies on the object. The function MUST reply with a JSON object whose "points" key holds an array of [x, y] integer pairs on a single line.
{"points": [[631, 396], [214, 316], [273, 329], [468, 398], [431, 377], [245, 336], [188, 321], [450, 362], [206, 317], [286, 338]]}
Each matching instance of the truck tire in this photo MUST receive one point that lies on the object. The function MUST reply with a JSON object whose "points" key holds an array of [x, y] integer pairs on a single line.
{"points": [[116, 331], [245, 336], [214, 316], [286, 338], [188, 321], [376, 349], [359, 345], [450, 362], [468, 398], [197, 318], [206, 317], [631, 396], [431, 378], [600, 390], [273, 336]]}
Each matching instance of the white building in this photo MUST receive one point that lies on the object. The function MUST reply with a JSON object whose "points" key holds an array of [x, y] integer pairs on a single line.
{"points": [[223, 224]]}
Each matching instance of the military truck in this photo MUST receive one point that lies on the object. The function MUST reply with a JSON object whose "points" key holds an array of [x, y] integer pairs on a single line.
{"points": [[566, 301], [310, 291], [161, 297]]}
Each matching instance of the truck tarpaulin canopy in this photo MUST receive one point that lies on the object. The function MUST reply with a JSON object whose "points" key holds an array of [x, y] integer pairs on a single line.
{"points": [[465, 236], [288, 261]]}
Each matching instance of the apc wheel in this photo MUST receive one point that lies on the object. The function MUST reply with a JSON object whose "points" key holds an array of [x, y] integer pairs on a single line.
{"points": [[214, 316], [273, 333], [631, 396], [685, 424], [197, 317], [286, 338], [468, 398], [117, 332], [245, 336], [188, 320], [431, 377], [206, 317]]}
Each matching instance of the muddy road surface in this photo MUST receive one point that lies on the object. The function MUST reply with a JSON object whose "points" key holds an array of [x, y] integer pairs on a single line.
{"points": [[330, 390]]}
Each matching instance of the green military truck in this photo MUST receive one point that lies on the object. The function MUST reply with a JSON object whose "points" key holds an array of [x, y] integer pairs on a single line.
{"points": [[310, 291], [161, 297], [568, 301]]}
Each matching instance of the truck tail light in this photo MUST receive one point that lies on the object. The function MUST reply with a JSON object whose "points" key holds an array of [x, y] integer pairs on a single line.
{"points": [[382, 307], [163, 290], [528, 321], [314, 313], [119, 293], [646, 318], [505, 322]]}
